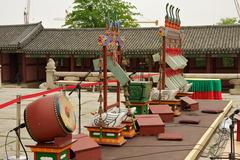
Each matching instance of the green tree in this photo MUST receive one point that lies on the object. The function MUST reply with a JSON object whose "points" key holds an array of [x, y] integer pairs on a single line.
{"points": [[93, 13], [227, 21]]}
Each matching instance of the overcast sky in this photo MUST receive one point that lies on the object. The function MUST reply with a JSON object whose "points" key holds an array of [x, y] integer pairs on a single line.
{"points": [[52, 12]]}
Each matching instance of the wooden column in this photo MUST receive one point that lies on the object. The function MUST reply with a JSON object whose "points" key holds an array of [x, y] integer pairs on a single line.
{"points": [[133, 63], [23, 59], [209, 68], [150, 65], [238, 63], [71, 63]]}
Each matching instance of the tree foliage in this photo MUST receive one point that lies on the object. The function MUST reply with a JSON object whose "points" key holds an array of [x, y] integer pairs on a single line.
{"points": [[93, 13], [227, 21]]}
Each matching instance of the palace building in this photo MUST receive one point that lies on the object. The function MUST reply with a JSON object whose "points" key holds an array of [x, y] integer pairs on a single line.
{"points": [[25, 49]]}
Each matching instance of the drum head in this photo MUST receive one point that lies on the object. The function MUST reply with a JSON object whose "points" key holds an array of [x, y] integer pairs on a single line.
{"points": [[65, 113]]}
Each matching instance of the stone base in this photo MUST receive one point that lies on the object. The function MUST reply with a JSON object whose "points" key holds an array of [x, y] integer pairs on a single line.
{"points": [[234, 91]]}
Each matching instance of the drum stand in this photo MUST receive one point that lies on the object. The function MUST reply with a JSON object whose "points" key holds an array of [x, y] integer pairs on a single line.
{"points": [[78, 87], [231, 155]]}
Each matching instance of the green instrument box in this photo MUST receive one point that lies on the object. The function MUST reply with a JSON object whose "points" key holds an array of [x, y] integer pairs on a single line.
{"points": [[139, 91]]}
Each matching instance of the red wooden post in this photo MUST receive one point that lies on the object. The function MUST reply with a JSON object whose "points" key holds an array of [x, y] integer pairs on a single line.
{"points": [[163, 64], [105, 83], [118, 83]]}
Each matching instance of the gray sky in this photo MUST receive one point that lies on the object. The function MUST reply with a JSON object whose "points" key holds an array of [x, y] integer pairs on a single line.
{"points": [[51, 12]]}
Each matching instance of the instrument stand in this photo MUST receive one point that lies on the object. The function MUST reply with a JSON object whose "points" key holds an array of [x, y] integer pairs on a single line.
{"points": [[78, 87], [59, 149], [231, 155]]}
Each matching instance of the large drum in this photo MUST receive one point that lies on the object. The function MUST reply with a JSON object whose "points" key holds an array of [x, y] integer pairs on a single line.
{"points": [[50, 117]]}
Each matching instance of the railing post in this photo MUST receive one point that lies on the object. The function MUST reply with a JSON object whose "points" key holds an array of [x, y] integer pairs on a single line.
{"points": [[0, 76], [18, 121], [50, 70]]}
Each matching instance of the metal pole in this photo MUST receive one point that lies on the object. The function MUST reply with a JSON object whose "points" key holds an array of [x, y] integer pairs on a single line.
{"points": [[232, 151], [18, 121], [79, 103]]}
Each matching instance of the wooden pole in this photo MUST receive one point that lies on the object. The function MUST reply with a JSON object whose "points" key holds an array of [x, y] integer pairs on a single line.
{"points": [[105, 84], [163, 64], [118, 83]]}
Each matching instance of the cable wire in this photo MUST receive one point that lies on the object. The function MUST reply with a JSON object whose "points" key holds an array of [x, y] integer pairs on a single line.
{"points": [[6, 144], [22, 144]]}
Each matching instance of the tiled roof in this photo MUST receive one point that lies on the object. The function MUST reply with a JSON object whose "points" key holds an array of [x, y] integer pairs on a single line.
{"points": [[77, 41], [216, 39], [196, 40], [16, 36]]}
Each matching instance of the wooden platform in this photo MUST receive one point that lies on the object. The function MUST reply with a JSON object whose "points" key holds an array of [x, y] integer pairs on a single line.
{"points": [[164, 111], [107, 135], [150, 125], [167, 102], [86, 148], [194, 138]]}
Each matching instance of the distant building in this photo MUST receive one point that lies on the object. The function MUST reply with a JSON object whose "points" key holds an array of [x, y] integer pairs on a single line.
{"points": [[25, 49]]}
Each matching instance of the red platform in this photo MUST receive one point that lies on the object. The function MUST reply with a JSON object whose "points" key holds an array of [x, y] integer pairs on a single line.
{"points": [[150, 125], [164, 111], [170, 136], [189, 120], [86, 148]]}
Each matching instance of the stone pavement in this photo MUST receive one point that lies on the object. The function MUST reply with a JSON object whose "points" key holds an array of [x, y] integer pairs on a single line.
{"points": [[8, 115], [89, 104]]}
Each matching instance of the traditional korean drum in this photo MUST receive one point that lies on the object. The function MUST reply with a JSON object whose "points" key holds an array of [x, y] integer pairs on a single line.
{"points": [[50, 117]]}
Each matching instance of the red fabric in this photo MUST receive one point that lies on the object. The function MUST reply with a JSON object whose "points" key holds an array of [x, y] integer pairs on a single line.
{"points": [[9, 103], [144, 76], [173, 51], [207, 95], [61, 88], [41, 93], [170, 72]]}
